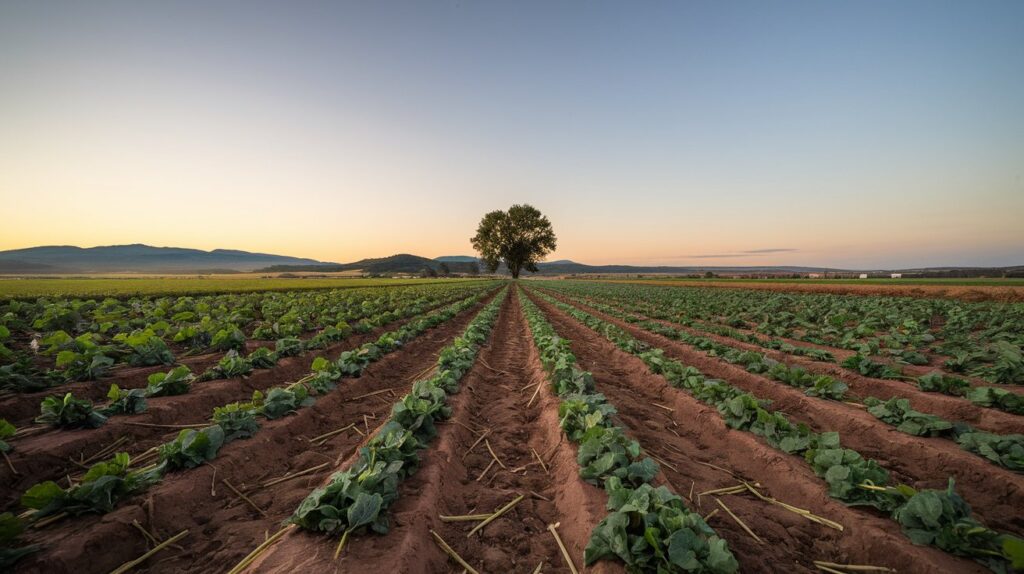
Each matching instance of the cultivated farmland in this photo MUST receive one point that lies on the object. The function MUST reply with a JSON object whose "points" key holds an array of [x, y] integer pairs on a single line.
{"points": [[519, 426]]}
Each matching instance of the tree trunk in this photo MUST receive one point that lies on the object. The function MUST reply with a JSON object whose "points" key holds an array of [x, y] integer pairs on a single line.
{"points": [[514, 269]]}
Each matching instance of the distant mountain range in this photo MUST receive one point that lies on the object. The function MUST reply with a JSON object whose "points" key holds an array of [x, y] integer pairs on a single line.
{"points": [[140, 258], [137, 258]]}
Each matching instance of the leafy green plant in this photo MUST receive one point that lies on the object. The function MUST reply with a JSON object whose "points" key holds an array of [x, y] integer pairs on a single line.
{"points": [[1001, 399], [279, 402], [177, 381], [146, 348], [650, 530], [102, 487], [1005, 450], [869, 368], [936, 382], [10, 528], [897, 412], [124, 402], [192, 447], [941, 518], [7, 430], [69, 412], [237, 420], [262, 358]]}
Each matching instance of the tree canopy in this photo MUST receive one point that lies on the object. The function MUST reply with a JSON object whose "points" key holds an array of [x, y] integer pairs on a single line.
{"points": [[521, 237]]}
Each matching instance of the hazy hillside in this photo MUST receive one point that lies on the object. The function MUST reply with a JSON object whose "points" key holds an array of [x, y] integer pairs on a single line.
{"points": [[136, 258]]}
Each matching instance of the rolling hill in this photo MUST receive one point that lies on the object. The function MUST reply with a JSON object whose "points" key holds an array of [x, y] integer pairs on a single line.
{"points": [[137, 258]]}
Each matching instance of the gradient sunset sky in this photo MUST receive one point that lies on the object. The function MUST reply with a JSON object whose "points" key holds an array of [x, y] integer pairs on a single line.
{"points": [[848, 134]]}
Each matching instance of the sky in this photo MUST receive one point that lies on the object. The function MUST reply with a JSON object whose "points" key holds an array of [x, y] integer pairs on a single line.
{"points": [[854, 134]]}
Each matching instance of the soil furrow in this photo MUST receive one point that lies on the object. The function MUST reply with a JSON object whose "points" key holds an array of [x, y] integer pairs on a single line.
{"points": [[699, 433], [954, 409], [222, 528], [21, 408], [49, 455], [446, 484], [995, 492]]}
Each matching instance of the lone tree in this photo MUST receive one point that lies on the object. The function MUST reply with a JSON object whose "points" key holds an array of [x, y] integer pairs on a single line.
{"points": [[520, 237]]}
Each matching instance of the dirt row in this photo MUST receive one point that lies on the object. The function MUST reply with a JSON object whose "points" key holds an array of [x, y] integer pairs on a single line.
{"points": [[56, 453], [454, 479], [994, 492], [956, 409], [693, 436], [222, 527]]}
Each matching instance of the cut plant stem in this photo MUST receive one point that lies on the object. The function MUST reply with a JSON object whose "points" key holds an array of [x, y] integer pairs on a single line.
{"points": [[805, 513], [296, 475], [725, 490], [463, 517], [553, 528], [480, 438], [535, 393], [491, 450], [541, 461], [484, 473], [496, 514], [372, 394], [853, 567], [252, 556], [332, 433], [156, 426], [738, 521], [669, 409], [145, 533], [448, 550], [133, 563], [262, 512]]}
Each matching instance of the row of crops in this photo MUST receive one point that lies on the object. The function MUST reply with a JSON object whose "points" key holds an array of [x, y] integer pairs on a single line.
{"points": [[939, 517], [340, 445], [50, 341]]}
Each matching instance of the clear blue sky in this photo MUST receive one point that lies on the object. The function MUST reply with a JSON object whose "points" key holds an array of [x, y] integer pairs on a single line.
{"points": [[856, 134]]}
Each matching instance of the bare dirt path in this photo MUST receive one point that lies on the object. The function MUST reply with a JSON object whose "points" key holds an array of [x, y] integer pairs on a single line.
{"points": [[491, 400], [693, 435]]}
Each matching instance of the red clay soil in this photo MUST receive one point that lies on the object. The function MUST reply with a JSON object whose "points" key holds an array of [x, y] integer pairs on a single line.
{"points": [[52, 454], [21, 408], [491, 401], [1007, 294], [693, 435], [223, 528], [956, 409], [995, 493]]}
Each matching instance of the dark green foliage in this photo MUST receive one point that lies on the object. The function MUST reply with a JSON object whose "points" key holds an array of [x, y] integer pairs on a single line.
{"points": [[519, 237], [124, 402], [69, 412], [650, 530], [193, 447], [102, 487], [10, 528], [177, 381]]}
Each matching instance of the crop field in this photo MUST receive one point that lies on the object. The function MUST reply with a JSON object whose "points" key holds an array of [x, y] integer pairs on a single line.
{"points": [[30, 288], [510, 426]]}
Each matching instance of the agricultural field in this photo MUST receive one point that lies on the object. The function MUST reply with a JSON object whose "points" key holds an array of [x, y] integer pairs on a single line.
{"points": [[521, 426], [100, 287]]}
